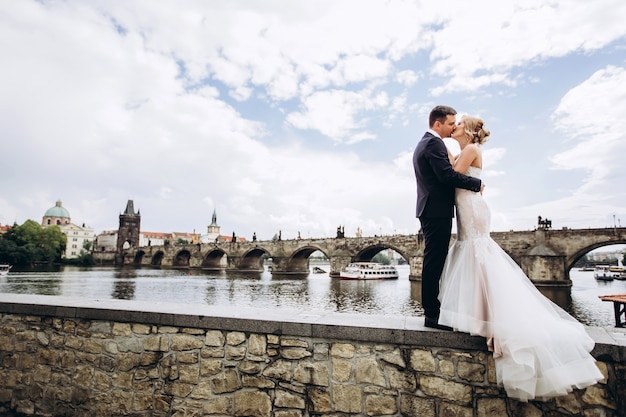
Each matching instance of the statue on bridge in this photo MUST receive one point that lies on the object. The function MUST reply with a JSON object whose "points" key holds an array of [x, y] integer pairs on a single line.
{"points": [[544, 224], [254, 237], [340, 232]]}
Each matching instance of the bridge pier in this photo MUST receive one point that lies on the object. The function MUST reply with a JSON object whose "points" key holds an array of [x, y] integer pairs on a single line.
{"points": [[241, 263], [415, 263], [543, 264], [284, 265], [547, 269], [337, 263]]}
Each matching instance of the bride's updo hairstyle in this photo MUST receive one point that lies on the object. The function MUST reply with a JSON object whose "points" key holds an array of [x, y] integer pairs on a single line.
{"points": [[475, 130]]}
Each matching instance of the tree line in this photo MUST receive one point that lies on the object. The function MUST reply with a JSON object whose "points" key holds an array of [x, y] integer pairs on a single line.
{"points": [[31, 244]]}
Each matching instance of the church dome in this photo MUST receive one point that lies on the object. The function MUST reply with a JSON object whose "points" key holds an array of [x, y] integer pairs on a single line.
{"points": [[58, 211]]}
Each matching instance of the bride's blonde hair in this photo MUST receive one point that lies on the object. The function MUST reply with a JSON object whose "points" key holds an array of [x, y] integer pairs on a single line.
{"points": [[475, 130]]}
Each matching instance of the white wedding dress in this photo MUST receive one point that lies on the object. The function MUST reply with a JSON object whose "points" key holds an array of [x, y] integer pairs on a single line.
{"points": [[540, 351]]}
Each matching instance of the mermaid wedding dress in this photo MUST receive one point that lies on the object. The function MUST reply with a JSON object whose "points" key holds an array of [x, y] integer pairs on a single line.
{"points": [[539, 350]]}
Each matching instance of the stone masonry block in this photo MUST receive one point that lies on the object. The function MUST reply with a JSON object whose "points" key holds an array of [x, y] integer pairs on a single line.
{"points": [[347, 398], [252, 403], [422, 360], [379, 405], [368, 371], [214, 338], [182, 342], [445, 389]]}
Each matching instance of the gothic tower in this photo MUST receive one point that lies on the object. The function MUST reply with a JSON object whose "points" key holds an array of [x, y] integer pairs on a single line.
{"points": [[128, 232]]}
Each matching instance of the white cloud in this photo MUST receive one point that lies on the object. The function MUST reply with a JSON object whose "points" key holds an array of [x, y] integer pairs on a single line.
{"points": [[475, 48], [591, 116], [335, 113], [407, 77]]}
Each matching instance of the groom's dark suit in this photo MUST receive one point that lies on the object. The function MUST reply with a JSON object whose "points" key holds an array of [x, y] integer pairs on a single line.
{"points": [[436, 181]]}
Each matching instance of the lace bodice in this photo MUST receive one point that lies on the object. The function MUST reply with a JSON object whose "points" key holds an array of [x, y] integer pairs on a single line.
{"points": [[473, 217]]}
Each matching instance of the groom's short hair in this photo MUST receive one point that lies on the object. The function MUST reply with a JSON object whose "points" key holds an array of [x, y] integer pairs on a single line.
{"points": [[440, 113]]}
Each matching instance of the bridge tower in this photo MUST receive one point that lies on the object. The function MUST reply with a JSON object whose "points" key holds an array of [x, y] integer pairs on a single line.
{"points": [[128, 232]]}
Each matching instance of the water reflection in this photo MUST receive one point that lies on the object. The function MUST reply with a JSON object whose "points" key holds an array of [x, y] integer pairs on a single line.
{"points": [[560, 296], [313, 292], [46, 285], [124, 284]]}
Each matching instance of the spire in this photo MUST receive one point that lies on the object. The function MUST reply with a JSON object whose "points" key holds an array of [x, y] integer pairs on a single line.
{"points": [[214, 219], [130, 209]]}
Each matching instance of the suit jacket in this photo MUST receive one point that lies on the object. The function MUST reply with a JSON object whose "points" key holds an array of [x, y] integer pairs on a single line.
{"points": [[436, 179]]}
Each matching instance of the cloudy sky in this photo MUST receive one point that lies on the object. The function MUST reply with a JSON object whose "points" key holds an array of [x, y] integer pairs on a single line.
{"points": [[301, 116]]}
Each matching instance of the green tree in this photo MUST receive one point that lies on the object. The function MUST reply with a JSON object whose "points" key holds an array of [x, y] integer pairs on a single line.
{"points": [[85, 257], [31, 243], [52, 243], [381, 258]]}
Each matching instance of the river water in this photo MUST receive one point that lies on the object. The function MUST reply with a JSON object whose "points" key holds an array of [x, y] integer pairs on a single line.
{"points": [[309, 293]]}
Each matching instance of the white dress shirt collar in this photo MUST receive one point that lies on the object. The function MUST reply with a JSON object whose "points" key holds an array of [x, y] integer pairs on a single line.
{"points": [[434, 133]]}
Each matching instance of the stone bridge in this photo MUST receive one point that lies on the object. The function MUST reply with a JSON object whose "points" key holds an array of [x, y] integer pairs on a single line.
{"points": [[545, 255]]}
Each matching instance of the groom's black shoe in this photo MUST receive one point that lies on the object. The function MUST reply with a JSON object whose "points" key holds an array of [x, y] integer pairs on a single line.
{"points": [[432, 323]]}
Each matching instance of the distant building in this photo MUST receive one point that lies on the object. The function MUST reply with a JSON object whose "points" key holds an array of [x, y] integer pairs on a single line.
{"points": [[213, 230], [213, 234], [77, 236], [152, 238], [106, 241]]}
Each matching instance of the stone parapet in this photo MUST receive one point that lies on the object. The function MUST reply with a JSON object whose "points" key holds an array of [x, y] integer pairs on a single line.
{"points": [[61, 356]]}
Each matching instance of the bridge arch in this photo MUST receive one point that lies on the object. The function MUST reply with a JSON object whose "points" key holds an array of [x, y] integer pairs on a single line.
{"points": [[575, 257], [252, 260], [157, 258], [367, 253], [298, 262], [214, 259], [138, 257], [182, 259]]}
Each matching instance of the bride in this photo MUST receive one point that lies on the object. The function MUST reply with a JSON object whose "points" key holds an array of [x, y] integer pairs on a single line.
{"points": [[540, 351]]}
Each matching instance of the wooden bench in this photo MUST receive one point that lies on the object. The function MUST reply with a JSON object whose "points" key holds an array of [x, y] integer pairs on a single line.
{"points": [[619, 307]]}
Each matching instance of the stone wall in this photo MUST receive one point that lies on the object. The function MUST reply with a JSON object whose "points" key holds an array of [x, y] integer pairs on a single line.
{"points": [[64, 357]]}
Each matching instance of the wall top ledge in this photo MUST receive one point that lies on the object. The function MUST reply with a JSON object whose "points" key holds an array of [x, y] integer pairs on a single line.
{"points": [[610, 341]]}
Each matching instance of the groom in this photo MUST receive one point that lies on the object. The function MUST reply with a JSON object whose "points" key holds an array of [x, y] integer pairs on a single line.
{"points": [[436, 181]]}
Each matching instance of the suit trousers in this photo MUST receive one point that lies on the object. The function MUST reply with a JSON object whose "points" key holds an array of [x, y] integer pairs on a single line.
{"points": [[437, 232]]}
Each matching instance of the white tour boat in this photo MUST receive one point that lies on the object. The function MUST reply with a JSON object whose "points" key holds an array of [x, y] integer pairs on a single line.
{"points": [[603, 273], [368, 270], [5, 268]]}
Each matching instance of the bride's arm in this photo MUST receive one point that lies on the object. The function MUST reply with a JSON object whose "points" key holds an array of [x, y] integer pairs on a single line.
{"points": [[469, 154]]}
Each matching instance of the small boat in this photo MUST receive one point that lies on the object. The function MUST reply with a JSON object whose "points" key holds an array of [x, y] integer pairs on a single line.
{"points": [[621, 276], [603, 273], [618, 269], [368, 270], [318, 270], [5, 268]]}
